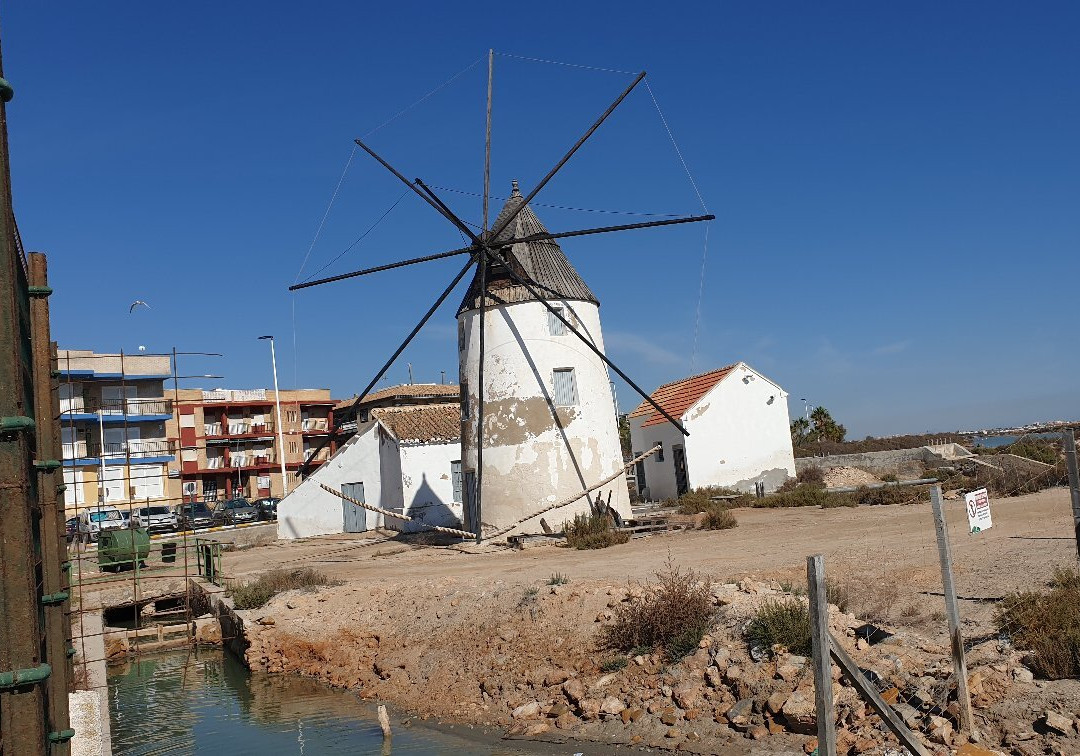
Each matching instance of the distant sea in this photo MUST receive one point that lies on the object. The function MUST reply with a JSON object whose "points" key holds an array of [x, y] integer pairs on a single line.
{"points": [[993, 442]]}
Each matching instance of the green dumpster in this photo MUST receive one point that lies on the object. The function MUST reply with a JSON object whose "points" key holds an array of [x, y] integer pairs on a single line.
{"points": [[122, 548]]}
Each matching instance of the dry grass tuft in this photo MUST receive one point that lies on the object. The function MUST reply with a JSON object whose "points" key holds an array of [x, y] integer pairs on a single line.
{"points": [[719, 518], [592, 531], [674, 614], [256, 593], [1047, 625]]}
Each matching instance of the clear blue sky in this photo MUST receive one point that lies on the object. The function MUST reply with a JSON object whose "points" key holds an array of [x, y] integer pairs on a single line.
{"points": [[896, 186]]}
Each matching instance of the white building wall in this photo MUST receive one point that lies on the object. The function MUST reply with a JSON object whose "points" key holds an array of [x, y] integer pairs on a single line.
{"points": [[740, 434], [428, 485], [530, 460], [308, 510], [659, 475]]}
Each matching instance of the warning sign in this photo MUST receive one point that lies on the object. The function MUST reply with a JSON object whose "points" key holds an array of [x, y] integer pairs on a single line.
{"points": [[978, 510]]}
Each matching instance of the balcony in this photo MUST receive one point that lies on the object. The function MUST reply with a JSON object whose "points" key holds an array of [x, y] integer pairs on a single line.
{"points": [[135, 449], [314, 424], [235, 428], [241, 460], [113, 410]]}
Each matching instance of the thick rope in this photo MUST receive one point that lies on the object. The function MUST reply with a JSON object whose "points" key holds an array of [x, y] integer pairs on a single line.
{"points": [[398, 515], [577, 496]]}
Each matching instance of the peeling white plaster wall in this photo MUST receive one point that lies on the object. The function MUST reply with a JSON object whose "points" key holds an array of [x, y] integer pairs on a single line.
{"points": [[428, 483], [530, 462]]}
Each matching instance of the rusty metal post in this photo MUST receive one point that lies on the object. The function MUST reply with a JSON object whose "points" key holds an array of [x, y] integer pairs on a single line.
{"points": [[22, 709], [53, 541]]}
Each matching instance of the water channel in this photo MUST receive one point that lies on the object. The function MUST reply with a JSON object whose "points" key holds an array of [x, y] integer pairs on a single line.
{"points": [[209, 703]]}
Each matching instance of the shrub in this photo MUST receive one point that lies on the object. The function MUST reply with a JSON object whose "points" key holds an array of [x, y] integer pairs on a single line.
{"points": [[805, 495], [700, 499], [613, 664], [812, 475], [672, 614], [592, 531], [258, 592], [889, 478], [885, 495], [557, 578], [1047, 625], [719, 518], [781, 623]]}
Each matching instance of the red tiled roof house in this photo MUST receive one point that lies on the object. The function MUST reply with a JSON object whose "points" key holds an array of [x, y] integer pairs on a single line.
{"points": [[739, 434]]}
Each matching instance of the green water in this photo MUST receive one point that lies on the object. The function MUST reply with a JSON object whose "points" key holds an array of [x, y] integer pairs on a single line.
{"points": [[209, 703]]}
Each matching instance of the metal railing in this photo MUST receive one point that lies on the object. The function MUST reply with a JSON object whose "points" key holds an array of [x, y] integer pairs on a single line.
{"points": [[237, 428], [142, 447], [130, 406]]}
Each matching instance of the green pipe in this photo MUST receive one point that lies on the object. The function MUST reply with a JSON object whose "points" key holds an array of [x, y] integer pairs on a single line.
{"points": [[20, 677], [39, 291], [46, 465], [16, 423], [54, 598], [61, 737]]}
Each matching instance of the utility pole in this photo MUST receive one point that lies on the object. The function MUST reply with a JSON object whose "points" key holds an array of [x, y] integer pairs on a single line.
{"points": [[280, 429]]}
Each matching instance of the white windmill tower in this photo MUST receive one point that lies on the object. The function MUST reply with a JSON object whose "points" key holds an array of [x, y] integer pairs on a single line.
{"points": [[550, 427]]}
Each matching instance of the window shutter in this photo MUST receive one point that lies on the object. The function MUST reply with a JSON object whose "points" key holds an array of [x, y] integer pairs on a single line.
{"points": [[555, 326], [565, 387]]}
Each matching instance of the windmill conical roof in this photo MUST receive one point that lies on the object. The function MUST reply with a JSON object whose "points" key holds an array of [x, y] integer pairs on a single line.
{"points": [[540, 262]]}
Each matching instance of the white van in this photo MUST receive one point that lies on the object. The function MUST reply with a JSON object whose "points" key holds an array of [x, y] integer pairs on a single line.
{"points": [[96, 520]]}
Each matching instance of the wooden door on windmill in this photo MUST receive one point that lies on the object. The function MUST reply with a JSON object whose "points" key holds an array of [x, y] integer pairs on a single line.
{"points": [[682, 484], [354, 518]]}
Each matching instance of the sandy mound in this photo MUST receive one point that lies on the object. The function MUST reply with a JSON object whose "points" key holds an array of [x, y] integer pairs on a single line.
{"points": [[837, 477]]}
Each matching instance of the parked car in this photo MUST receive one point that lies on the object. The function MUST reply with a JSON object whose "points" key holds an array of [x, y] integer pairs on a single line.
{"points": [[155, 518], [71, 528], [236, 510], [194, 515], [91, 523], [267, 508]]}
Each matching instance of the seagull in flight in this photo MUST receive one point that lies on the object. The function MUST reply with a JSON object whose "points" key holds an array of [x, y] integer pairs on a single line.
{"points": [[136, 303]]}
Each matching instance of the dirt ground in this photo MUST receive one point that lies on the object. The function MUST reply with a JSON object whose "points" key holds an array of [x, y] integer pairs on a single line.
{"points": [[477, 634], [893, 548]]}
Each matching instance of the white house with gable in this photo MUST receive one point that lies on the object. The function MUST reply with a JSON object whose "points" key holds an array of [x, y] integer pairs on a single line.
{"points": [[740, 434], [403, 459]]}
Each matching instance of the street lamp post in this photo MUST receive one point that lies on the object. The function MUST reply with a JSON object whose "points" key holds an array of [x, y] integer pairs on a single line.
{"points": [[280, 428]]}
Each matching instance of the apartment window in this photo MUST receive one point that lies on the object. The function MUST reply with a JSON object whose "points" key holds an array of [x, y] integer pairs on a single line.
{"points": [[555, 326], [660, 454], [293, 447], [290, 415], [455, 476], [565, 387]]}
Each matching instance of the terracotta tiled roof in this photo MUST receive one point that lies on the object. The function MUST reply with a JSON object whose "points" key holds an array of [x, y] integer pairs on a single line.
{"points": [[542, 262], [679, 396], [405, 390], [427, 423]]}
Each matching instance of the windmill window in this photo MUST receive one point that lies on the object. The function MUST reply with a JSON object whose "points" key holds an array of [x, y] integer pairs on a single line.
{"points": [[555, 326], [565, 387], [461, 337], [464, 400]]}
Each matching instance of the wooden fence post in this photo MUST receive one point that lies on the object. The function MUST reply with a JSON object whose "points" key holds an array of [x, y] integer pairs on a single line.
{"points": [[819, 634], [1074, 482], [952, 609]]}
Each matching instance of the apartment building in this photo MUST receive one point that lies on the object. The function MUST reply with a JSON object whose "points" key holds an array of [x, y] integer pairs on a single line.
{"points": [[113, 418], [228, 440]]}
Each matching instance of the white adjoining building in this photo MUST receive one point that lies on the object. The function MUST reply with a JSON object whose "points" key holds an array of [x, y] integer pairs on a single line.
{"points": [[740, 434], [550, 426], [403, 459]]}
